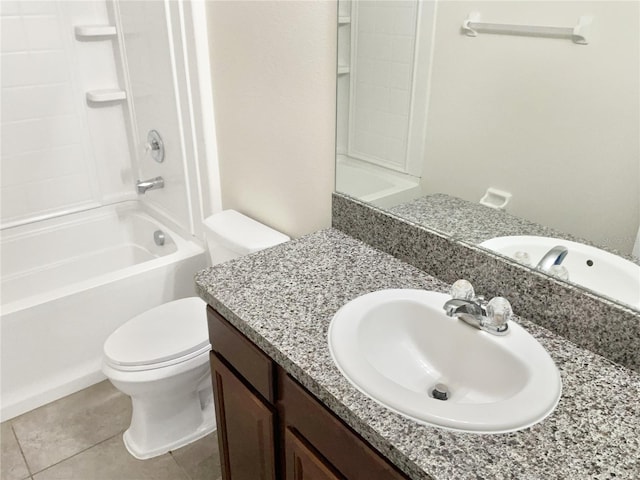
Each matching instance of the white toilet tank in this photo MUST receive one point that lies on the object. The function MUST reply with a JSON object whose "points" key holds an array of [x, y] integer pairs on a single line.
{"points": [[230, 235]]}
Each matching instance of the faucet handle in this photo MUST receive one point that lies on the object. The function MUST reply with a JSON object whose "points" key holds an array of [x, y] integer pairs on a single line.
{"points": [[462, 290], [499, 312], [155, 146]]}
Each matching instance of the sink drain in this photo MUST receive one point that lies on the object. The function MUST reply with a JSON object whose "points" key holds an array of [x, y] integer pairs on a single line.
{"points": [[440, 392]]}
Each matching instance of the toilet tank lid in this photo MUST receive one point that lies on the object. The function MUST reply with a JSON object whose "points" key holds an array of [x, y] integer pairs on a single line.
{"points": [[166, 332], [241, 233]]}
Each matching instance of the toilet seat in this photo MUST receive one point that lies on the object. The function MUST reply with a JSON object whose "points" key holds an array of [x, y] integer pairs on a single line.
{"points": [[168, 334]]}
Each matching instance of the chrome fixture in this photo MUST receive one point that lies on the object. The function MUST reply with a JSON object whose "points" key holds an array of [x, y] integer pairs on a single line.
{"points": [[155, 146], [492, 316], [143, 185], [440, 392], [159, 237], [555, 256]]}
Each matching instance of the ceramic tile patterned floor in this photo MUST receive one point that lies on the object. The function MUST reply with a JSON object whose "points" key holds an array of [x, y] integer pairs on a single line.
{"points": [[79, 437]]}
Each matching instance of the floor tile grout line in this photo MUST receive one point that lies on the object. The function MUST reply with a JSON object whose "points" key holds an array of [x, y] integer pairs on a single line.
{"points": [[76, 454], [24, 458], [186, 474]]}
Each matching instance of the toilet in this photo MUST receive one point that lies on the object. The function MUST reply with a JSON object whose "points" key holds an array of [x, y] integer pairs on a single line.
{"points": [[160, 358]]}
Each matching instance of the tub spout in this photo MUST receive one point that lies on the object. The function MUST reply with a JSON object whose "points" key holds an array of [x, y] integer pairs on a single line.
{"points": [[143, 185]]}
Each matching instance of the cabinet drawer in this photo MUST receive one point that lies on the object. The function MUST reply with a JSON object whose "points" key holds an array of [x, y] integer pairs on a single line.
{"points": [[341, 446], [247, 359]]}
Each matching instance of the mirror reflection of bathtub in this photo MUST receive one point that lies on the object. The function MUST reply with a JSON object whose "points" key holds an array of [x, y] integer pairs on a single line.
{"points": [[370, 183], [68, 282]]}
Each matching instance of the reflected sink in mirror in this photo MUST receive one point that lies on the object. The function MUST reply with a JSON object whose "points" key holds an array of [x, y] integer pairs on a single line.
{"points": [[395, 346], [587, 266]]}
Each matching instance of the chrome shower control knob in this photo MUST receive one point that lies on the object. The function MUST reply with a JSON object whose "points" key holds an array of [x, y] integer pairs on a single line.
{"points": [[155, 146]]}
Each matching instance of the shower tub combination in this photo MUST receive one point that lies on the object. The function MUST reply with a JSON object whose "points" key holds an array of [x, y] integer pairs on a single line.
{"points": [[67, 283]]}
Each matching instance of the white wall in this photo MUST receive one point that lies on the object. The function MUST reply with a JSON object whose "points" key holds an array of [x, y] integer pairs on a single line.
{"points": [[273, 69], [554, 123], [58, 153]]}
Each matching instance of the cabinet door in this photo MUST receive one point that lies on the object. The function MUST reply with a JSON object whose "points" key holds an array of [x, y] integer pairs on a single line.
{"points": [[245, 428], [342, 448], [302, 463]]}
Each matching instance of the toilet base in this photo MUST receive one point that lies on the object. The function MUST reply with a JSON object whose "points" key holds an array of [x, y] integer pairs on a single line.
{"points": [[144, 455], [207, 426], [170, 406]]}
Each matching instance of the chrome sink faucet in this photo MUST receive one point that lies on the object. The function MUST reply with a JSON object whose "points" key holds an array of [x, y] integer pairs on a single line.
{"points": [[492, 316], [143, 185], [555, 256]]}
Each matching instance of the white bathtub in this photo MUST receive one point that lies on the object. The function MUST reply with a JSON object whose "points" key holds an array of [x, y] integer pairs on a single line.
{"points": [[373, 184], [67, 283]]}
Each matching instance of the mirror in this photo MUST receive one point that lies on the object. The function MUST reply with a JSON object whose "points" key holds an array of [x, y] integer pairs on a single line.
{"points": [[540, 125]]}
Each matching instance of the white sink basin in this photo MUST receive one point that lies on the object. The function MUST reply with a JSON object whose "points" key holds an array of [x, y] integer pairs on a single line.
{"points": [[396, 345], [589, 267]]}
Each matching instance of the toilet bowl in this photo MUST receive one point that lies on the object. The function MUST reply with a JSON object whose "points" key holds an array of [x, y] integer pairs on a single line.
{"points": [[160, 358]]}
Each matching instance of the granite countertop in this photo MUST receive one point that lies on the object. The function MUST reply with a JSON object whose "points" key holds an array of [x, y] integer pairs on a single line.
{"points": [[283, 299], [467, 221]]}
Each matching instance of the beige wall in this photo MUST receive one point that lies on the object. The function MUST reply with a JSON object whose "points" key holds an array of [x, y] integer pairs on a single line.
{"points": [[554, 123], [273, 70]]}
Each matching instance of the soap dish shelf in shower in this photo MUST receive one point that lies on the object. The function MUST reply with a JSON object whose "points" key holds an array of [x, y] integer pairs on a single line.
{"points": [[95, 31], [104, 96]]}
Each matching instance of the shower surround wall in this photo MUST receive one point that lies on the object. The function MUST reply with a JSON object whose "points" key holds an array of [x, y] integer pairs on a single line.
{"points": [[61, 153], [58, 155], [158, 78]]}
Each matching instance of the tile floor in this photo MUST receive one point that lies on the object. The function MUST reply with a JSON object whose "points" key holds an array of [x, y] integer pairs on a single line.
{"points": [[79, 437]]}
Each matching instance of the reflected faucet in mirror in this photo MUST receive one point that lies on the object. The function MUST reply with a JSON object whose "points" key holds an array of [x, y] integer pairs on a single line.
{"points": [[584, 265], [554, 256]]}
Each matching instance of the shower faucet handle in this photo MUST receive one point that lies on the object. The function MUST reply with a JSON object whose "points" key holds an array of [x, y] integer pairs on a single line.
{"points": [[155, 146]]}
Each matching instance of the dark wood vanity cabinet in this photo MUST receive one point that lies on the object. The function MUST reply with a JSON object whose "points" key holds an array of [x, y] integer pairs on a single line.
{"points": [[271, 428], [246, 427], [245, 415]]}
